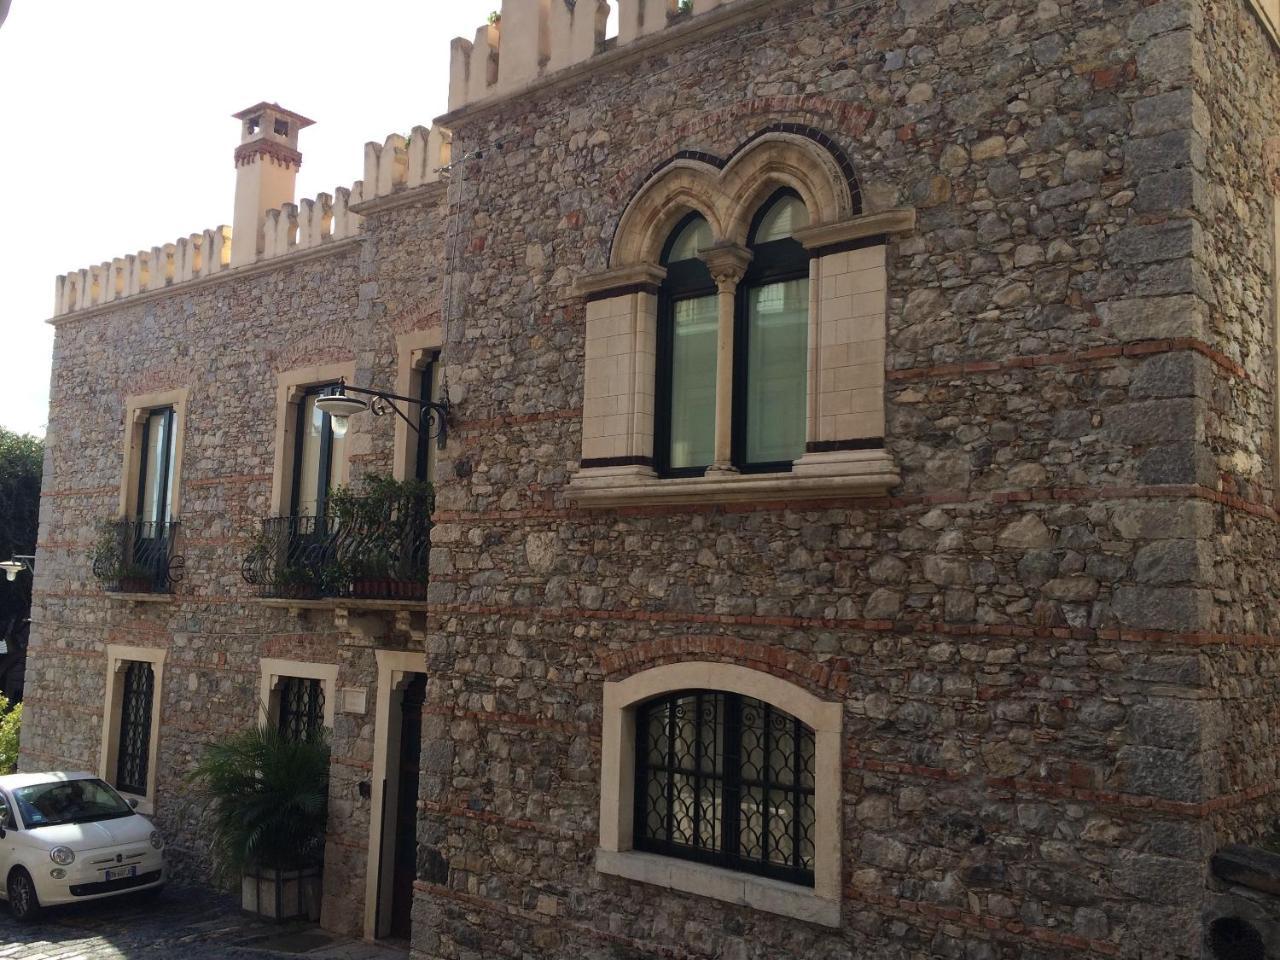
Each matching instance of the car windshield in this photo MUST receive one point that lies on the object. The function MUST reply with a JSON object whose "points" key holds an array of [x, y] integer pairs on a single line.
{"points": [[69, 801]]}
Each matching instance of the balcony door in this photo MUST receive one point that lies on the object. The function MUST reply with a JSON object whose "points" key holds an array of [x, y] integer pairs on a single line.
{"points": [[152, 529], [316, 451], [155, 470]]}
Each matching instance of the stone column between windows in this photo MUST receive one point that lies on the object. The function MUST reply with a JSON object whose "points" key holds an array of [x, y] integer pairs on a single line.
{"points": [[728, 264]]}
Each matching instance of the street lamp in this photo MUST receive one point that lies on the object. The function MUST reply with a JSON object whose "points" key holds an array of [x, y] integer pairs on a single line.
{"points": [[433, 415], [16, 565]]}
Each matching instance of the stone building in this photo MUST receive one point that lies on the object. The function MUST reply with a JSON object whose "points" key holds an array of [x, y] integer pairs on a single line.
{"points": [[852, 533]]}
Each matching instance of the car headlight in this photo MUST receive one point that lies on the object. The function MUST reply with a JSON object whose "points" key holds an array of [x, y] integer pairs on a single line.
{"points": [[157, 841], [62, 855]]}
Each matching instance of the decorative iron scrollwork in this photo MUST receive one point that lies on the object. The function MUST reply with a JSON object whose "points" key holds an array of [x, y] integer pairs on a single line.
{"points": [[137, 556]]}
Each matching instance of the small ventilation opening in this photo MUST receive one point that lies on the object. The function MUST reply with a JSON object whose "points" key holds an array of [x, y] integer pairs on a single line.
{"points": [[282, 128], [1231, 938], [252, 124]]}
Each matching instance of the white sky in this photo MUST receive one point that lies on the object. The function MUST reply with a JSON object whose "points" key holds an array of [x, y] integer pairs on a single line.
{"points": [[116, 132]]}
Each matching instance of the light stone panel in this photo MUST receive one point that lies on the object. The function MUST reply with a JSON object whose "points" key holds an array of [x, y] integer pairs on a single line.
{"points": [[847, 345], [618, 399]]}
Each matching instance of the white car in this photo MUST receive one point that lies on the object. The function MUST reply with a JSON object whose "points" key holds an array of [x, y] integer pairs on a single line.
{"points": [[66, 837]]}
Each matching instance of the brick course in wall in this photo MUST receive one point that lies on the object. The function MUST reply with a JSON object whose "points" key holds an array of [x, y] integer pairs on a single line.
{"points": [[1054, 641]]}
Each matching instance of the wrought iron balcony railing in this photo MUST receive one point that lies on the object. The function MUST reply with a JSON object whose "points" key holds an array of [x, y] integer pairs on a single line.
{"points": [[361, 548], [137, 556]]}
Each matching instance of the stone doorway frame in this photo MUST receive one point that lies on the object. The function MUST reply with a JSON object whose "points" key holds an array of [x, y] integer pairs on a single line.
{"points": [[394, 670]]}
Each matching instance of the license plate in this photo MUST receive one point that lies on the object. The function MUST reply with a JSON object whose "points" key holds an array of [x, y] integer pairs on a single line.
{"points": [[121, 873]]}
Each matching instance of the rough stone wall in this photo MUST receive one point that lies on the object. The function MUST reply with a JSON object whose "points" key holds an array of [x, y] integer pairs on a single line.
{"points": [[226, 340], [1234, 199], [1019, 634]]}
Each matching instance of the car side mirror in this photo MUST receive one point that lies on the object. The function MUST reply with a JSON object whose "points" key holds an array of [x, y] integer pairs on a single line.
{"points": [[133, 803]]}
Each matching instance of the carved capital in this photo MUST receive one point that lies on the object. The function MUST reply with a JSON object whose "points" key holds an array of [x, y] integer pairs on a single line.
{"points": [[727, 262]]}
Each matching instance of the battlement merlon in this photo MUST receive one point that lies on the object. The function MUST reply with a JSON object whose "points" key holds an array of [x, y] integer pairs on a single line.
{"points": [[396, 165], [535, 38]]}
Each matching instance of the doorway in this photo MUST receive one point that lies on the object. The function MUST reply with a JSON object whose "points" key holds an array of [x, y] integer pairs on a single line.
{"points": [[405, 825], [397, 793]]}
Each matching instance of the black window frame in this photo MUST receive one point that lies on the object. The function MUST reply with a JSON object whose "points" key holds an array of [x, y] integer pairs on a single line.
{"points": [[325, 466], [300, 705], [166, 473], [775, 261], [133, 747], [685, 280], [427, 394], [732, 782]]}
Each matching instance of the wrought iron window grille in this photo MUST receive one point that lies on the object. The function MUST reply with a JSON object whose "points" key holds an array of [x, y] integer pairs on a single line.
{"points": [[133, 754], [301, 709], [726, 780]]}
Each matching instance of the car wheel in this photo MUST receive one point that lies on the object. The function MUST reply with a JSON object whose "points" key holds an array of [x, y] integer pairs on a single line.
{"points": [[23, 902]]}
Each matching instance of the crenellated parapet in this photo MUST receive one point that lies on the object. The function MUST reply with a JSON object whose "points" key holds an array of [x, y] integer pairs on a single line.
{"points": [[535, 38], [398, 164]]}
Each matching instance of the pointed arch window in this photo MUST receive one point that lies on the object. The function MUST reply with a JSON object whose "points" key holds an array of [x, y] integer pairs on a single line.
{"points": [[684, 443]]}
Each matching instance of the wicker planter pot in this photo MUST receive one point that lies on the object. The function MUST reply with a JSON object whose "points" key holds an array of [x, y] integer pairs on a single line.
{"points": [[282, 894]]}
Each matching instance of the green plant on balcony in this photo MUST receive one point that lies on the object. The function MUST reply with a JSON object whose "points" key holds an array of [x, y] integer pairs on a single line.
{"points": [[384, 526], [113, 563]]}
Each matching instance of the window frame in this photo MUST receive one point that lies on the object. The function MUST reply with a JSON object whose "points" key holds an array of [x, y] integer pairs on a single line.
{"points": [[732, 782], [166, 474], [616, 855], [145, 671], [775, 261], [427, 387], [118, 659], [273, 671], [325, 465], [685, 280]]}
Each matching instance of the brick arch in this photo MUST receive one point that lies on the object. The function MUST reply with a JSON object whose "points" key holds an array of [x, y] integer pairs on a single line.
{"points": [[823, 678], [717, 135], [728, 191]]}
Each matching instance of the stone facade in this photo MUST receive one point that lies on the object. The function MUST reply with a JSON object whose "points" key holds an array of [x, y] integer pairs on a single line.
{"points": [[1051, 641]]}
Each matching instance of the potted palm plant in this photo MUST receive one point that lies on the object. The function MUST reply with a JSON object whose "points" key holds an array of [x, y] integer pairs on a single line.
{"points": [[267, 800]]}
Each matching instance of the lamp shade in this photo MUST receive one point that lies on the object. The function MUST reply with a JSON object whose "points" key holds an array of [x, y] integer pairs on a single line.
{"points": [[12, 568], [340, 405]]}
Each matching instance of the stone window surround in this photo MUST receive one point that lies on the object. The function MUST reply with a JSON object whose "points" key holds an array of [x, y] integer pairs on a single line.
{"points": [[845, 453], [275, 670], [118, 657], [290, 388], [136, 410], [394, 667], [615, 856], [1268, 12], [413, 349]]}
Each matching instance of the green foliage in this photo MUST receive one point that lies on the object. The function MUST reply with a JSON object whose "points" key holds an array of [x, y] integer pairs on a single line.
{"points": [[268, 801], [21, 462], [494, 16], [686, 6], [10, 727]]}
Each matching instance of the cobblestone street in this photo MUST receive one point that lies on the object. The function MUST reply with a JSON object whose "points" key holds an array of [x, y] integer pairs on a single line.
{"points": [[187, 922]]}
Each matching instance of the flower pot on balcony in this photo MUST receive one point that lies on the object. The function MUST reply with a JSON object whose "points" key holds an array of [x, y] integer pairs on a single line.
{"points": [[282, 894], [135, 585], [372, 588]]}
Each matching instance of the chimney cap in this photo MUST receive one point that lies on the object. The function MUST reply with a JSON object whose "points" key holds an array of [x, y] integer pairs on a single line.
{"points": [[298, 118]]}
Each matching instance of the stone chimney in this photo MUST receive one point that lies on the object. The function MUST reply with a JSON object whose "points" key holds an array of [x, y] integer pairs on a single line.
{"points": [[267, 163]]}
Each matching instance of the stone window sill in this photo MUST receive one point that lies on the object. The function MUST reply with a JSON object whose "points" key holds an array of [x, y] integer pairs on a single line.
{"points": [[743, 889], [825, 476], [132, 598]]}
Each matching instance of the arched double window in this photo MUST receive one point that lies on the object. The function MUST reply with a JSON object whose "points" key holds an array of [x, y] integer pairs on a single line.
{"points": [[765, 339], [728, 780]]}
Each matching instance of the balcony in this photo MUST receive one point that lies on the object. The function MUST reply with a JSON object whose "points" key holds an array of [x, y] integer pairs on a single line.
{"points": [[136, 557], [361, 549]]}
